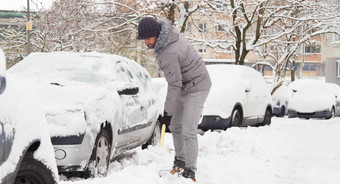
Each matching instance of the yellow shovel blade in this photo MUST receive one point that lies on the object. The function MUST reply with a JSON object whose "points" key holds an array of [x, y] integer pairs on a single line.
{"points": [[162, 134]]}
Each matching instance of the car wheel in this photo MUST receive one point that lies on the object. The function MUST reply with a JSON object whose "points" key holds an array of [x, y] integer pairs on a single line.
{"points": [[236, 118], [267, 118], [282, 111], [33, 171], [155, 138], [100, 158], [332, 113]]}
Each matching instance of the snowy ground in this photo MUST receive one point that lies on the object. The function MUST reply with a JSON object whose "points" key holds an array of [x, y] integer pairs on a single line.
{"points": [[290, 151]]}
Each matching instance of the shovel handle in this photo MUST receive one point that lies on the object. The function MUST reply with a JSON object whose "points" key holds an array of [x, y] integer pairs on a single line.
{"points": [[162, 134]]}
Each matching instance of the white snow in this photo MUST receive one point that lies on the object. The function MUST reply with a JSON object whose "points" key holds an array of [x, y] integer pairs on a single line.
{"points": [[289, 151]]}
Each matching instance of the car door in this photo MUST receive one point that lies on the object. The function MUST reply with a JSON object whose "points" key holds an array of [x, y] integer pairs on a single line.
{"points": [[132, 110], [147, 99], [254, 105]]}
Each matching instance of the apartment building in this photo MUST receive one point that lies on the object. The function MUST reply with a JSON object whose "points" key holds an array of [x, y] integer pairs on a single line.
{"points": [[311, 64]]}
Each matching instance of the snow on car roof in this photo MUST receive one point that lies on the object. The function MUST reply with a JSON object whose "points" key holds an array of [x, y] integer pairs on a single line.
{"points": [[220, 70], [82, 67], [297, 84]]}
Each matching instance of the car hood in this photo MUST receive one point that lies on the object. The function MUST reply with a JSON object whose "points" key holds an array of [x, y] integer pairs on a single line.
{"points": [[69, 107]]}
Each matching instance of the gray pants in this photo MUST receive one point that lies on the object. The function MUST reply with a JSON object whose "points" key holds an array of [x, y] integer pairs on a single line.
{"points": [[184, 124]]}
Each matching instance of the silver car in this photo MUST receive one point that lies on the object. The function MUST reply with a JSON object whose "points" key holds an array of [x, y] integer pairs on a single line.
{"points": [[26, 152], [97, 106]]}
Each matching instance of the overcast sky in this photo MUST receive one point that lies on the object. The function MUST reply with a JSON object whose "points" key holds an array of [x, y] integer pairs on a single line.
{"points": [[21, 4]]}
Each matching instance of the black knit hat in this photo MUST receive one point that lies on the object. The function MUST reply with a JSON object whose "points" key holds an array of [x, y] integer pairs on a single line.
{"points": [[148, 27]]}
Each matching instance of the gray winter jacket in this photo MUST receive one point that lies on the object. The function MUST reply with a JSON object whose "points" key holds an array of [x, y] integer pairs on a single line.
{"points": [[183, 67]]}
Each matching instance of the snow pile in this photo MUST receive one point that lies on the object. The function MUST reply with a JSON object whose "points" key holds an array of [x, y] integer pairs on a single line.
{"points": [[290, 151]]}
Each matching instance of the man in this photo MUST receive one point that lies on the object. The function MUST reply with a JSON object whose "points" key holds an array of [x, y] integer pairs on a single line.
{"points": [[188, 87]]}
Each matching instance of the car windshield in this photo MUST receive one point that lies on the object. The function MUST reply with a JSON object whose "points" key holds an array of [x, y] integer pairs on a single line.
{"points": [[86, 68]]}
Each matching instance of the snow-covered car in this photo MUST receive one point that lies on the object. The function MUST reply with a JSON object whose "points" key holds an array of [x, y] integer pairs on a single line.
{"points": [[97, 106], [239, 96], [317, 100], [26, 152], [285, 92], [280, 100]]}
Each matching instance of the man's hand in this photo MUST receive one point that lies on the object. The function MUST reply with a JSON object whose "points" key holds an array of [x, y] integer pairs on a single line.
{"points": [[165, 119]]}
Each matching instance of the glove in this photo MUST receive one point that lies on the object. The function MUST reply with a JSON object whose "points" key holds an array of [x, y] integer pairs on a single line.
{"points": [[165, 119]]}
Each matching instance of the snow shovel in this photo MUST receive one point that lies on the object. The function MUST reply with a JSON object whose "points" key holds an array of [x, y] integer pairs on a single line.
{"points": [[162, 134]]}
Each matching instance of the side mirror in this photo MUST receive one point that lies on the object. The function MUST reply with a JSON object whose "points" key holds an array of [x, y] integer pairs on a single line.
{"points": [[129, 91], [247, 86]]}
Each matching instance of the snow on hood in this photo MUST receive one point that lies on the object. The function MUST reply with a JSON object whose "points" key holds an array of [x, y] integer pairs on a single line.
{"points": [[24, 120], [312, 98]]}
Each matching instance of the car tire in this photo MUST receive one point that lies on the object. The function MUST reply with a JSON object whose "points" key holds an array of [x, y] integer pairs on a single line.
{"points": [[100, 158], [155, 137], [332, 113], [236, 119], [33, 171], [282, 111], [267, 118]]}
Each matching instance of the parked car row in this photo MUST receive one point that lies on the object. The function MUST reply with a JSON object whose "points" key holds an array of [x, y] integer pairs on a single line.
{"points": [[79, 110]]}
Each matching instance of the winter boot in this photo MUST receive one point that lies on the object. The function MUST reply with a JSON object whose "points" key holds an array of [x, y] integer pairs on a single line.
{"points": [[178, 166], [189, 173]]}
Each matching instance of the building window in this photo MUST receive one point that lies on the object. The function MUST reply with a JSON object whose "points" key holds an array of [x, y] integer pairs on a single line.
{"points": [[273, 48], [223, 5], [202, 49], [202, 27], [338, 68], [220, 28], [309, 67], [336, 38], [313, 48]]}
